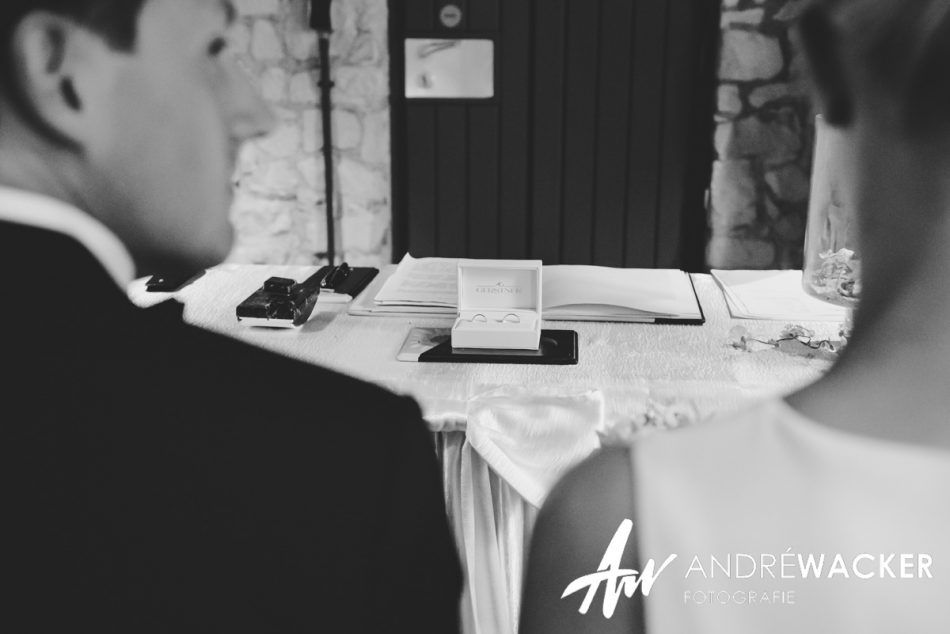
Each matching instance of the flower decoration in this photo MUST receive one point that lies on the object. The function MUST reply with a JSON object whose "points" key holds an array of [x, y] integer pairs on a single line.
{"points": [[794, 340], [655, 416]]}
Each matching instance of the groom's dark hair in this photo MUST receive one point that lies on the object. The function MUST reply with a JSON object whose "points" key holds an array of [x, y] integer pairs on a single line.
{"points": [[114, 20]]}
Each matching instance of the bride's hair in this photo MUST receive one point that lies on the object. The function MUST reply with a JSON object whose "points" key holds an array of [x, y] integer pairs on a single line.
{"points": [[903, 47]]}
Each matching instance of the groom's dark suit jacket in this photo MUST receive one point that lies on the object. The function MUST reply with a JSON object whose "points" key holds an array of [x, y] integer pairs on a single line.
{"points": [[159, 477]]}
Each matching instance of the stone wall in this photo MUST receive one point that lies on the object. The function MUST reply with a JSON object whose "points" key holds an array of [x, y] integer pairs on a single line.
{"points": [[763, 140], [280, 208]]}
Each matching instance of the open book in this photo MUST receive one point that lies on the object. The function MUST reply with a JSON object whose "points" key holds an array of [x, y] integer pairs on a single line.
{"points": [[429, 286]]}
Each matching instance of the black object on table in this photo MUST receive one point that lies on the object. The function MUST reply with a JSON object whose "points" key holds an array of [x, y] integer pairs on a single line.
{"points": [[281, 302], [558, 347], [346, 280], [170, 283]]}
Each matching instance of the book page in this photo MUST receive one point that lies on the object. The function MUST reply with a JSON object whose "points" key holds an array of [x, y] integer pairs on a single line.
{"points": [[421, 282], [607, 290]]}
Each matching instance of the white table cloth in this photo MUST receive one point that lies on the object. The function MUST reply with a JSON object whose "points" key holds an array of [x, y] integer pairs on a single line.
{"points": [[508, 431]]}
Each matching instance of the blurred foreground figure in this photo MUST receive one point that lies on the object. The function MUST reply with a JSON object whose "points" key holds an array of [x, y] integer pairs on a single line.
{"points": [[829, 510], [160, 477]]}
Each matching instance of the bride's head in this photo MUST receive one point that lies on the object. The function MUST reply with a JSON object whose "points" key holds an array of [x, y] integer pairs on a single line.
{"points": [[892, 56], [881, 70]]}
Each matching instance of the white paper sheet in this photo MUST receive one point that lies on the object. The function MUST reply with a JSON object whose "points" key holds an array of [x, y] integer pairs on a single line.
{"points": [[776, 295], [421, 282]]}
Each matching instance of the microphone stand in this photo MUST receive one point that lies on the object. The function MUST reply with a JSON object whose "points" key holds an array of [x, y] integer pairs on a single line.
{"points": [[320, 21]]}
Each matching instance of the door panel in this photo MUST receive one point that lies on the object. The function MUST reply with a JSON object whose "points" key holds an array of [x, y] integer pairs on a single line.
{"points": [[595, 149]]}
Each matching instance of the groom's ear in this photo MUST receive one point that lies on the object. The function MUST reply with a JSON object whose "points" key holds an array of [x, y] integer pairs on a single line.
{"points": [[820, 40], [49, 54]]}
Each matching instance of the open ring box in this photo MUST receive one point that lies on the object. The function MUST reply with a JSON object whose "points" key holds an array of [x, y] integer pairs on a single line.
{"points": [[499, 304]]}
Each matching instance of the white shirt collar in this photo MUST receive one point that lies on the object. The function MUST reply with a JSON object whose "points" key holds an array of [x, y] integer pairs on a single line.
{"points": [[36, 210]]}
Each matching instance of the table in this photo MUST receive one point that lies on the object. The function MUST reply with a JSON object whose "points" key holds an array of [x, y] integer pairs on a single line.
{"points": [[629, 376]]}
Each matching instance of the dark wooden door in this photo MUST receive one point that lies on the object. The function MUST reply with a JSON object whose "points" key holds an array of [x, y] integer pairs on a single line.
{"points": [[594, 149]]}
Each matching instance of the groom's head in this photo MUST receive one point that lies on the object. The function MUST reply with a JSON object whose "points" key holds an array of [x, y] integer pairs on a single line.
{"points": [[133, 110]]}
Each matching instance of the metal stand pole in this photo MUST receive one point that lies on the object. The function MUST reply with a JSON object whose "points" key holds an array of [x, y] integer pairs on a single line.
{"points": [[320, 20]]}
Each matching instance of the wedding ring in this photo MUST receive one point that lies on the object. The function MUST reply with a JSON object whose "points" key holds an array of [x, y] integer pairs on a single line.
{"points": [[511, 318], [479, 318]]}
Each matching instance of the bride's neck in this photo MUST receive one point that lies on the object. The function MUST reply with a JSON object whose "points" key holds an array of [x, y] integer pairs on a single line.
{"points": [[893, 379]]}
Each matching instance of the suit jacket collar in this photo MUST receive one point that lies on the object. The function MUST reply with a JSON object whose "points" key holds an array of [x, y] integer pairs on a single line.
{"points": [[43, 212]]}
